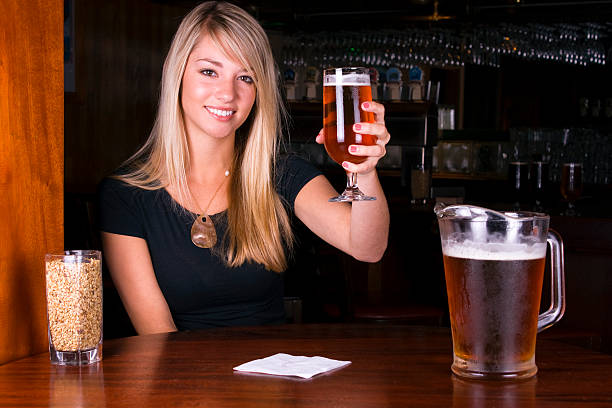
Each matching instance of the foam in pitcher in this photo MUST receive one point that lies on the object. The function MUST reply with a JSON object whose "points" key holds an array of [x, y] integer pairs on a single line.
{"points": [[494, 251]]}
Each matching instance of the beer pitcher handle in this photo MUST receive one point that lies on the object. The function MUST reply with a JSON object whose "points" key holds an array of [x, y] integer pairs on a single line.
{"points": [[557, 305]]}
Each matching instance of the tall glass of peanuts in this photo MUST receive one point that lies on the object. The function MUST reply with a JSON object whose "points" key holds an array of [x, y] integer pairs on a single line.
{"points": [[74, 306]]}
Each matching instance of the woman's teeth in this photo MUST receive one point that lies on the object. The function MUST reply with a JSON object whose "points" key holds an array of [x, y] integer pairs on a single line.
{"points": [[220, 112]]}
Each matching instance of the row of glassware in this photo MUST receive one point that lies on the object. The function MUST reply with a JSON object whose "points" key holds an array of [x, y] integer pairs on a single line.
{"points": [[591, 147], [449, 45]]}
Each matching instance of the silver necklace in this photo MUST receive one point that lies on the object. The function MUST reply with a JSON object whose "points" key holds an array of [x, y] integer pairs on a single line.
{"points": [[203, 233]]}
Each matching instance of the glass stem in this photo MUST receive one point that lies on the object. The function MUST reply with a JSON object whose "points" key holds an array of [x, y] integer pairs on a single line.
{"points": [[351, 180]]}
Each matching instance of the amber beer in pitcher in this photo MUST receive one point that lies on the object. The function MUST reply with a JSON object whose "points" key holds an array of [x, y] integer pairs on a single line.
{"points": [[494, 268], [344, 91], [495, 324]]}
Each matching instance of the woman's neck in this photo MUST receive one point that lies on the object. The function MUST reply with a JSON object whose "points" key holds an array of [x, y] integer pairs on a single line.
{"points": [[210, 159]]}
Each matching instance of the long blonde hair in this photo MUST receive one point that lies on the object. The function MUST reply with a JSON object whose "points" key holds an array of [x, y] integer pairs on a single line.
{"points": [[259, 229]]}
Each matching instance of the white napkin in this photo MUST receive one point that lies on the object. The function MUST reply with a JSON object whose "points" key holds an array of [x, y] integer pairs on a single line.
{"points": [[286, 364]]}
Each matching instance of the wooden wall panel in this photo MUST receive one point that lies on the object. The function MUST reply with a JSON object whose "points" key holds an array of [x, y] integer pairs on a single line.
{"points": [[120, 48], [31, 167]]}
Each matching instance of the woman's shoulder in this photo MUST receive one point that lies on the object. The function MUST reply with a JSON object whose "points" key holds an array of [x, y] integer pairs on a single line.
{"points": [[292, 162], [118, 186], [123, 208], [115, 184], [292, 174]]}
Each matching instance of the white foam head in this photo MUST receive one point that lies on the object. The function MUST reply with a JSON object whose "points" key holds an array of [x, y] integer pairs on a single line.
{"points": [[352, 79], [494, 251]]}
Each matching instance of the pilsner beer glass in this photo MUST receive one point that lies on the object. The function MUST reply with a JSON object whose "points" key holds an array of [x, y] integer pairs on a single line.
{"points": [[344, 90], [494, 267], [571, 185], [518, 178]]}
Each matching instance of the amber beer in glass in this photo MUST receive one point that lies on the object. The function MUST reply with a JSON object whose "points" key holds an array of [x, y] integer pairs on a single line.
{"points": [[344, 90], [494, 268]]}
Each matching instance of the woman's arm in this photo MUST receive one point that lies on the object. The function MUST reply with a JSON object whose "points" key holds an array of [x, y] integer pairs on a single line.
{"points": [[130, 266], [360, 229]]}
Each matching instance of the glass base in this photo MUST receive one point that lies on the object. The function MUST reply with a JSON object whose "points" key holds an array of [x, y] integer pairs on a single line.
{"points": [[75, 358], [351, 194], [475, 371]]}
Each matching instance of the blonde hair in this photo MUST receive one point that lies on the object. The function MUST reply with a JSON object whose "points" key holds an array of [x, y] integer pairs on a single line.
{"points": [[259, 229]]}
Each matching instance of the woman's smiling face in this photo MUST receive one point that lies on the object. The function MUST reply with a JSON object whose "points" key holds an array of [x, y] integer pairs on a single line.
{"points": [[217, 93]]}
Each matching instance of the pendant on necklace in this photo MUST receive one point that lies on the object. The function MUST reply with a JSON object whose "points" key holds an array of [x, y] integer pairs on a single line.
{"points": [[203, 232]]}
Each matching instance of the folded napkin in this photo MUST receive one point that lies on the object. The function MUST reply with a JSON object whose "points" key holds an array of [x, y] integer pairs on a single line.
{"points": [[286, 364]]}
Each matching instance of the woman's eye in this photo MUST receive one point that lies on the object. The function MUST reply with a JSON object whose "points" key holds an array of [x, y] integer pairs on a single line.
{"points": [[208, 72], [246, 78]]}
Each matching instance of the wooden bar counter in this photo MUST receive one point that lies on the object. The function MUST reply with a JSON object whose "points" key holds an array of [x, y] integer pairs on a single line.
{"points": [[392, 366]]}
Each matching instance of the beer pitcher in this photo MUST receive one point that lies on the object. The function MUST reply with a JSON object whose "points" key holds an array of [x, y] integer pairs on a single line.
{"points": [[494, 268]]}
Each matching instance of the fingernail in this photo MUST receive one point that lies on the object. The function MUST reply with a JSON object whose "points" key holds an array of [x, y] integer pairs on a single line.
{"points": [[366, 105], [345, 165], [357, 126], [353, 149]]}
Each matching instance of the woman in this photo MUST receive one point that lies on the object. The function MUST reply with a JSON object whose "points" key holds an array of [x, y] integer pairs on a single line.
{"points": [[195, 226]]}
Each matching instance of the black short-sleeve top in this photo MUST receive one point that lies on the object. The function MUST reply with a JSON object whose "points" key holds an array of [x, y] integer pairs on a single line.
{"points": [[201, 291]]}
